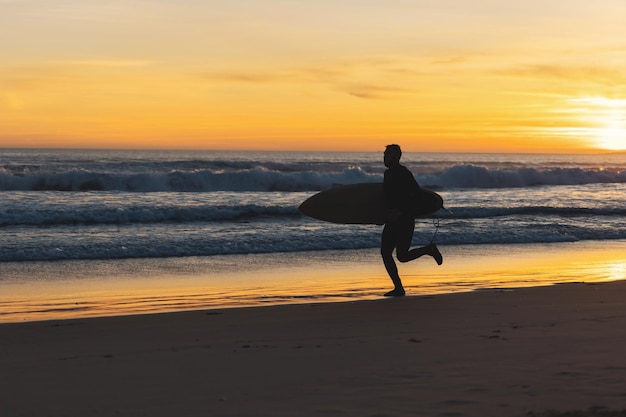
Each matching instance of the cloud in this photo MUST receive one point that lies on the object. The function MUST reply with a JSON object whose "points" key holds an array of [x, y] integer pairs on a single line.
{"points": [[356, 79], [281, 75], [451, 60], [57, 75], [599, 75], [107, 63], [250, 77], [371, 91]]}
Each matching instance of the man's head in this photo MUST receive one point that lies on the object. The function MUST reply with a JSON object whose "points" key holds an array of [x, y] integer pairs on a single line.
{"points": [[392, 155]]}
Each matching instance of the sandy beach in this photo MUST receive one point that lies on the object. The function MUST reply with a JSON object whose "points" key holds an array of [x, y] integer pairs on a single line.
{"points": [[484, 353]]}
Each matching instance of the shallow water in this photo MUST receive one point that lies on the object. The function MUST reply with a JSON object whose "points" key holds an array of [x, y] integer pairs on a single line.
{"points": [[70, 289]]}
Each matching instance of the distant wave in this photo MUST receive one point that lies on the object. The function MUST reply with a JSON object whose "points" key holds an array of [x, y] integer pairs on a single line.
{"points": [[140, 214], [538, 211], [289, 178], [471, 176], [258, 179], [94, 215]]}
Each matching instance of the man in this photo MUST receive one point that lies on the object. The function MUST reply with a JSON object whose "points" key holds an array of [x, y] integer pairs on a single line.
{"points": [[401, 189]]}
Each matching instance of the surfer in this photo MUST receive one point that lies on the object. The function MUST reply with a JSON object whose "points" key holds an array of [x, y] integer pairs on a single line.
{"points": [[400, 187]]}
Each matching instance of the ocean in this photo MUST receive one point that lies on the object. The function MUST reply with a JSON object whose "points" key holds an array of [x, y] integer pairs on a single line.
{"points": [[77, 213]]}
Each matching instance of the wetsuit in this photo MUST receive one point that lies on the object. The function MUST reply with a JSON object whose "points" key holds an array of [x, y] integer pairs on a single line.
{"points": [[400, 189]]}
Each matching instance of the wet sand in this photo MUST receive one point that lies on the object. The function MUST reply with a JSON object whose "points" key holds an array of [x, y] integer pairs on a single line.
{"points": [[482, 353]]}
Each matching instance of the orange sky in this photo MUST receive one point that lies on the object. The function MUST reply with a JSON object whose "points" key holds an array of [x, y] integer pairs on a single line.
{"points": [[450, 75]]}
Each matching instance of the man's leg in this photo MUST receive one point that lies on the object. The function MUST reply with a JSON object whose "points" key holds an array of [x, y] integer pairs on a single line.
{"points": [[405, 237], [388, 243]]}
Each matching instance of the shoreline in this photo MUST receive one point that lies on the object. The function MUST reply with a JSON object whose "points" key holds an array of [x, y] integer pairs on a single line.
{"points": [[81, 289], [481, 353]]}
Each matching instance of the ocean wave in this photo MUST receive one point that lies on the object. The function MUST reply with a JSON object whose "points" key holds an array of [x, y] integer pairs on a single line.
{"points": [[472, 176], [264, 178], [257, 179], [531, 211], [108, 243], [105, 215], [147, 213]]}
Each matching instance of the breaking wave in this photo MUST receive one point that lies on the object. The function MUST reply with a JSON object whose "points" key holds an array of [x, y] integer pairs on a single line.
{"points": [[264, 178]]}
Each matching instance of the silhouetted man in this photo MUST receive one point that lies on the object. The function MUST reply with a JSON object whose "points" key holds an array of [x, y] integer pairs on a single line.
{"points": [[401, 190]]}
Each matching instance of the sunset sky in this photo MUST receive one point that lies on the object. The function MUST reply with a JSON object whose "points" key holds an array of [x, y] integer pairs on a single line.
{"points": [[444, 75]]}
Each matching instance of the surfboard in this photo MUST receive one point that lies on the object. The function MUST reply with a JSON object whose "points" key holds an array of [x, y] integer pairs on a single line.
{"points": [[362, 203]]}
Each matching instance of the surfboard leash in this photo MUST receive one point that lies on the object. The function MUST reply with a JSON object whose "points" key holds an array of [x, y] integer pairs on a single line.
{"points": [[437, 224]]}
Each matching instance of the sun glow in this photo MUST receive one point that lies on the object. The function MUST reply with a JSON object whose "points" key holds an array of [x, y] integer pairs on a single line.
{"points": [[613, 136], [611, 117], [604, 121]]}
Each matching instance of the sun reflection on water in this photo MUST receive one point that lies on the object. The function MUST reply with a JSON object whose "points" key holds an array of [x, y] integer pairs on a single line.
{"points": [[611, 271]]}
